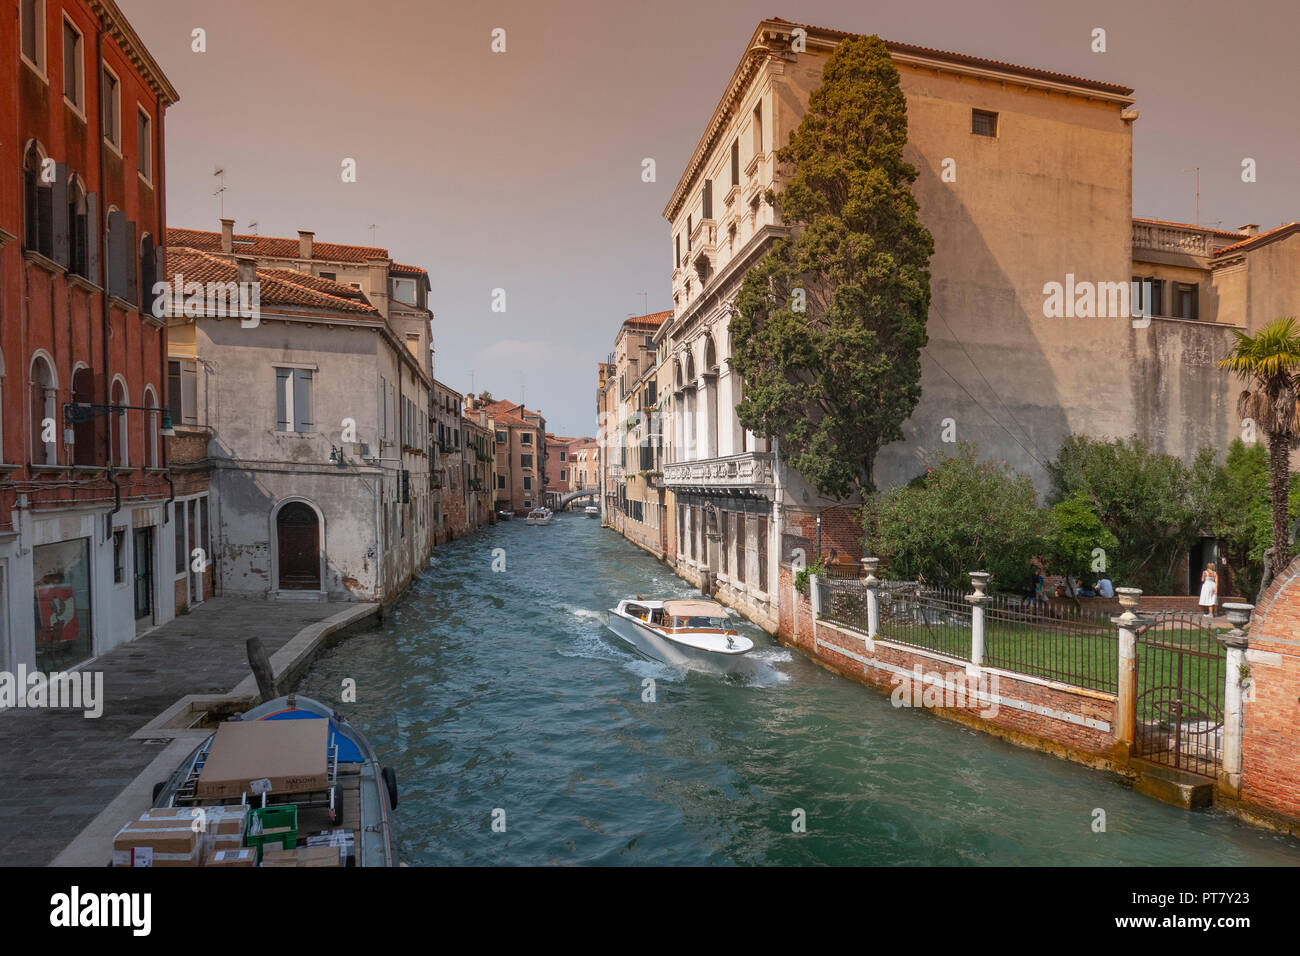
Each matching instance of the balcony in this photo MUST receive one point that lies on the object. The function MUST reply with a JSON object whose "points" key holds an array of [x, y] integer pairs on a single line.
{"points": [[1188, 240], [614, 472], [704, 238], [752, 471]]}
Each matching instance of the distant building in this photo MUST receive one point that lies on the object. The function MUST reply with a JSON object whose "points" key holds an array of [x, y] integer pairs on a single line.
{"points": [[519, 438], [584, 464], [635, 500], [87, 543]]}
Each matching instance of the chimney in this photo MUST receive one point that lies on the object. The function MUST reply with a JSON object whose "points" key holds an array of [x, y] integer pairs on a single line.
{"points": [[378, 282], [247, 267], [304, 243], [227, 235], [1249, 229]]}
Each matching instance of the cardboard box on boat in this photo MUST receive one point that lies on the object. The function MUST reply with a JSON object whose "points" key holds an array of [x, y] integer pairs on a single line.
{"points": [[304, 856], [344, 839], [228, 821], [291, 754], [156, 843], [242, 856]]}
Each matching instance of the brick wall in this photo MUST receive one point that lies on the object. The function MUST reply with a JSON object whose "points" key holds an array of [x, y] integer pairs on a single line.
{"points": [[1270, 777], [1071, 722], [841, 532]]}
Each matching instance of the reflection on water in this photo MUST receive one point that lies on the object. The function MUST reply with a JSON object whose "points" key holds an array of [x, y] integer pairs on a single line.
{"points": [[506, 692]]}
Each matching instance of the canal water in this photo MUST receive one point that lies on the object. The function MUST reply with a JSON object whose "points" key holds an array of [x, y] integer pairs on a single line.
{"points": [[501, 693]]}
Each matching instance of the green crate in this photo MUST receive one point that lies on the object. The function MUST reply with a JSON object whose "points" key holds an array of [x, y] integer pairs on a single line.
{"points": [[272, 818]]}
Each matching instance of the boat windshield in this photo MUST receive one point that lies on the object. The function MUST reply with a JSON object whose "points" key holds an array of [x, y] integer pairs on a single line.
{"points": [[701, 622]]}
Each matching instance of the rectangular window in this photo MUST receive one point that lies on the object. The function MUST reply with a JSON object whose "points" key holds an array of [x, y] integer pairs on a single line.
{"points": [[144, 144], [1185, 300], [740, 549], [112, 109], [33, 29], [119, 556], [182, 392], [74, 86], [293, 399], [724, 543], [332, 276], [735, 161], [762, 552], [528, 483], [61, 574], [501, 482], [707, 199], [526, 438], [983, 123], [562, 474], [525, 461], [757, 126]]}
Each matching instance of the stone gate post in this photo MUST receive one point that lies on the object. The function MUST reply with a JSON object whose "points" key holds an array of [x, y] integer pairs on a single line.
{"points": [[1126, 707], [869, 566], [1236, 642], [979, 581]]}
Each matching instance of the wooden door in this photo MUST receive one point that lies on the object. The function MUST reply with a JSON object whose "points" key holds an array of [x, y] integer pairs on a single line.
{"points": [[298, 532]]}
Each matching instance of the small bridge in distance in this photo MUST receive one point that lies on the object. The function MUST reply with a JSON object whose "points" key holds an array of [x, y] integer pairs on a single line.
{"points": [[572, 496]]}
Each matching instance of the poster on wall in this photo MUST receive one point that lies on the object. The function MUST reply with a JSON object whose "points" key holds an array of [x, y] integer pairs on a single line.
{"points": [[62, 603]]}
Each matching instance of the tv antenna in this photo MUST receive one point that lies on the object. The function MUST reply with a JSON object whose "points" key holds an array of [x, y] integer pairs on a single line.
{"points": [[252, 226], [1197, 171], [373, 228], [220, 191]]}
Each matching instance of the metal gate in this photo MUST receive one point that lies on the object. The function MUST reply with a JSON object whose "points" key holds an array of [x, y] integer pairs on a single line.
{"points": [[1181, 671]]}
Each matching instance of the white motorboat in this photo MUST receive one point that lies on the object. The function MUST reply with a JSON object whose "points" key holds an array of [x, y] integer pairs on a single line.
{"points": [[539, 516], [592, 511], [691, 632]]}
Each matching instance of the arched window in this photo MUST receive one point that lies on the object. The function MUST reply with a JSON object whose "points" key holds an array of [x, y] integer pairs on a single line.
{"points": [[44, 407], [710, 355], [120, 398], [38, 203], [690, 368], [152, 426], [84, 435]]}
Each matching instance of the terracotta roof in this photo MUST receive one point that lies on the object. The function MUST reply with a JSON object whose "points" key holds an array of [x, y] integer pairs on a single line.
{"points": [[1278, 232], [272, 247], [1188, 225], [407, 270], [653, 320], [282, 287]]}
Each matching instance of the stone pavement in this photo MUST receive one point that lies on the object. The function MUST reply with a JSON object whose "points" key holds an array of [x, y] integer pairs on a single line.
{"points": [[58, 769]]}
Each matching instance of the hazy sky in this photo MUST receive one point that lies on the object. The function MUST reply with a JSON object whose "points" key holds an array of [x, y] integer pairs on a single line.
{"points": [[522, 170]]}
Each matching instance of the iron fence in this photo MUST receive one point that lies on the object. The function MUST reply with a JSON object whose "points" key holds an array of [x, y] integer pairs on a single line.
{"points": [[1181, 674], [1060, 642]]}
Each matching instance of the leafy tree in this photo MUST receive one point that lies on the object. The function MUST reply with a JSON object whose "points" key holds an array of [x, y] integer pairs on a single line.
{"points": [[830, 323], [1143, 498], [966, 515], [1268, 364], [1072, 534], [1237, 496]]}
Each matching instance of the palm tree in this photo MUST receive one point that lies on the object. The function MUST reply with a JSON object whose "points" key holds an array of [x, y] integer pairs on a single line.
{"points": [[1269, 366]]}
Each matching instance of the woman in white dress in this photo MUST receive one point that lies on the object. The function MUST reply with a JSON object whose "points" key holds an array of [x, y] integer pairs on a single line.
{"points": [[1209, 590]]}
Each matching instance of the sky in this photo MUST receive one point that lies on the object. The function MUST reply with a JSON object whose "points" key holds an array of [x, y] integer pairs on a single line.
{"points": [[522, 170]]}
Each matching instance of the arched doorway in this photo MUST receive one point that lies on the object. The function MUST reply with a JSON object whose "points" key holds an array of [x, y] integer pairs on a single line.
{"points": [[297, 531]]}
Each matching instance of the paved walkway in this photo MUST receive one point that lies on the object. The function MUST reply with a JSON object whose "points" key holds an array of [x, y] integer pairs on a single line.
{"points": [[58, 769]]}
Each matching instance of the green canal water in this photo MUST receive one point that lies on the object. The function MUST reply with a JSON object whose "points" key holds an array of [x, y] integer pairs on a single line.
{"points": [[504, 690]]}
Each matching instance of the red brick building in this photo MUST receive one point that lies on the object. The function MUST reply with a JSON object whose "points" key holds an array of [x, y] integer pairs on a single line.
{"points": [[84, 488]]}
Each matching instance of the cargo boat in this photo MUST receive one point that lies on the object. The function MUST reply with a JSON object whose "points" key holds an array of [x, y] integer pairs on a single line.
{"points": [[354, 794]]}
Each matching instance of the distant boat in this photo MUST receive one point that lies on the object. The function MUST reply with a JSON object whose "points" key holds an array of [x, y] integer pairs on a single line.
{"points": [[592, 511], [539, 516], [693, 633], [504, 515]]}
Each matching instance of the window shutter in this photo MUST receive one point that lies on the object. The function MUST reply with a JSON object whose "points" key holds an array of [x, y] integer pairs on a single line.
{"points": [[1196, 301], [282, 399], [116, 253], [189, 393], [45, 221], [94, 233], [302, 400], [131, 264], [60, 211]]}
